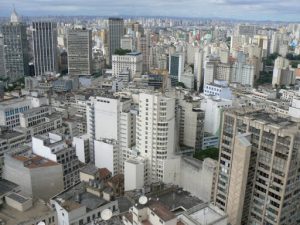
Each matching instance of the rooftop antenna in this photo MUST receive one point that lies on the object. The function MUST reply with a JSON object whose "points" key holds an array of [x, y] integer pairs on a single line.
{"points": [[106, 214], [143, 200]]}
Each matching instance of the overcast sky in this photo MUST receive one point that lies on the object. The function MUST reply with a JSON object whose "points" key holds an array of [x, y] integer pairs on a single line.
{"points": [[284, 10]]}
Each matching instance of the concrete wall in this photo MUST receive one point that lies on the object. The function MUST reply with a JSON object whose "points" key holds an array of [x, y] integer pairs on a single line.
{"points": [[134, 175], [15, 172], [192, 175], [104, 155]]}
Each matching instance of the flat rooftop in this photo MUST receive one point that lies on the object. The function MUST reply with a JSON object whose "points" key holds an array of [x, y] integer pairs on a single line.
{"points": [[70, 201], [6, 186], [18, 198], [35, 161], [10, 134], [205, 214], [12, 216]]}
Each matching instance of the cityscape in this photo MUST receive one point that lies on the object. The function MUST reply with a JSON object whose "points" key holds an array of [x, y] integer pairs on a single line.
{"points": [[150, 113]]}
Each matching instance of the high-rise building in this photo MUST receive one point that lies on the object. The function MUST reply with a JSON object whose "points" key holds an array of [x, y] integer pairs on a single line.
{"points": [[132, 61], [15, 49], [144, 48], [44, 36], [198, 69], [176, 67], [259, 168], [2, 58], [111, 130], [155, 137], [283, 74], [79, 52], [116, 32]]}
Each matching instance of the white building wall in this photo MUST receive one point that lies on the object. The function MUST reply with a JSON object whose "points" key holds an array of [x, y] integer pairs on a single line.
{"points": [[105, 156], [134, 174]]}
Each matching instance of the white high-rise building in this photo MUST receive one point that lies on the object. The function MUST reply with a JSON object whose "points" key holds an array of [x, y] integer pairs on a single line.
{"points": [[198, 69], [132, 61], [111, 130], [79, 52], [155, 138]]}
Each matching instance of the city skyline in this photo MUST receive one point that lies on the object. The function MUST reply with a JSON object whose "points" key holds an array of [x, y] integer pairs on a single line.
{"points": [[273, 10]]}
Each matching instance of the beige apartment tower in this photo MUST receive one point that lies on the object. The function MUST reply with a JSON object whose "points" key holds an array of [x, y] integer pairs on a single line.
{"points": [[259, 166]]}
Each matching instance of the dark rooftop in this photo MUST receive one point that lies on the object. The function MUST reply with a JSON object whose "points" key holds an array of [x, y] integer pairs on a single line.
{"points": [[6, 186]]}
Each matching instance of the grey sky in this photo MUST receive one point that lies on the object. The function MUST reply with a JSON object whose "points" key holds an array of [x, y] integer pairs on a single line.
{"points": [[287, 10]]}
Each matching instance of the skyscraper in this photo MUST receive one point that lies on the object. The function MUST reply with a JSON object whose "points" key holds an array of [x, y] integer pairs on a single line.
{"points": [[2, 58], [79, 51], [155, 137], [116, 32], [258, 174], [44, 36], [176, 67], [15, 49]]}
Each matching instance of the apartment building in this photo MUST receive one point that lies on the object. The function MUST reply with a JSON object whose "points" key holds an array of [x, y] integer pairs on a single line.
{"points": [[258, 168]]}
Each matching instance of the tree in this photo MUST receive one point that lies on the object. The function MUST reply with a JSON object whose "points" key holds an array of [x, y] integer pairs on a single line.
{"points": [[121, 51]]}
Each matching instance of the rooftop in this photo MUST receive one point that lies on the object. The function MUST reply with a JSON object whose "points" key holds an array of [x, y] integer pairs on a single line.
{"points": [[77, 196], [161, 211], [89, 169], [6, 186], [35, 161], [12, 216]]}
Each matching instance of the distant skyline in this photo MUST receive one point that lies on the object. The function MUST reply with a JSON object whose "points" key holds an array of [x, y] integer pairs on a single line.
{"points": [[276, 10]]}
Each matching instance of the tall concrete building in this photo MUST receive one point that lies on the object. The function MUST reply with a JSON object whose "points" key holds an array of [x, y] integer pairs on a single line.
{"points": [[259, 168], [15, 49], [111, 130], [79, 44], [144, 47], [155, 138], [44, 36], [115, 33], [176, 67], [283, 74], [2, 58]]}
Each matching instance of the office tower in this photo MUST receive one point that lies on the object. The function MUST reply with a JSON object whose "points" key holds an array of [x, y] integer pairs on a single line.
{"points": [[15, 49], [282, 73], [247, 30], [115, 33], [259, 168], [2, 58], [79, 44], [44, 36], [128, 43], [176, 67], [132, 61], [144, 48], [155, 138], [198, 69]]}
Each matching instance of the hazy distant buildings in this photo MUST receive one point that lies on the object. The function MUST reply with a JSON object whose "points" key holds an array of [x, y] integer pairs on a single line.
{"points": [[79, 51], [15, 49], [44, 36], [116, 32]]}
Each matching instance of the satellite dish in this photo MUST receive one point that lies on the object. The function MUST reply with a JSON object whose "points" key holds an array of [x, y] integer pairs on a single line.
{"points": [[143, 200], [41, 223], [106, 214]]}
